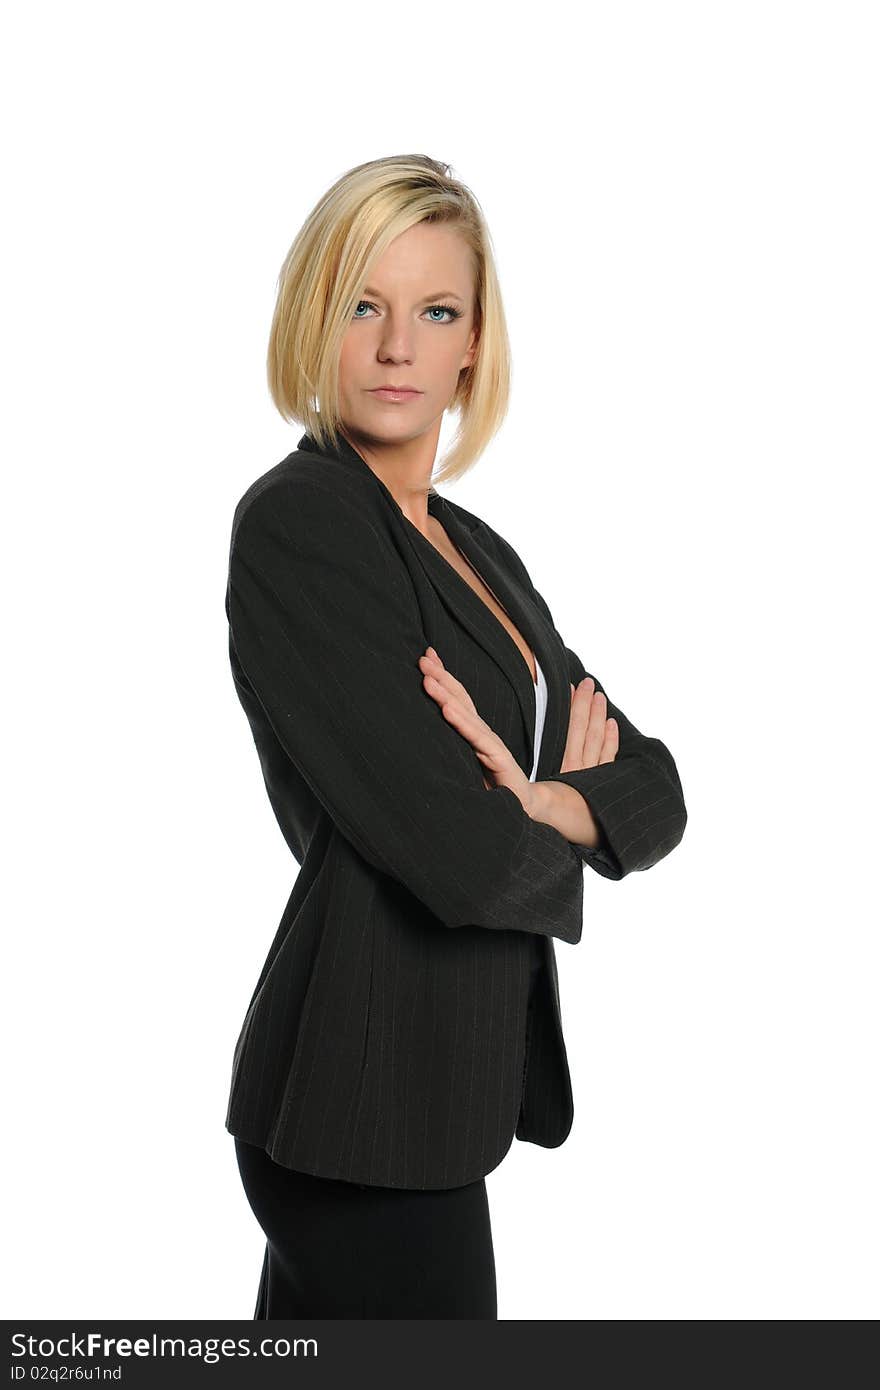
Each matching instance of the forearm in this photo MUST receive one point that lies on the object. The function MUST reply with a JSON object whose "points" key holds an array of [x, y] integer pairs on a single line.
{"points": [[565, 809]]}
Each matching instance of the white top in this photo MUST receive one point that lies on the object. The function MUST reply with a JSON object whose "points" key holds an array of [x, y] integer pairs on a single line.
{"points": [[540, 711]]}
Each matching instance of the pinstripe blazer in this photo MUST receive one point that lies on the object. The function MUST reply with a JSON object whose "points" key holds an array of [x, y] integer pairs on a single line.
{"points": [[392, 1037]]}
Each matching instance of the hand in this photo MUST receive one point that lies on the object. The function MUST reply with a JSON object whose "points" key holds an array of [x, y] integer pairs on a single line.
{"points": [[500, 768], [592, 738]]}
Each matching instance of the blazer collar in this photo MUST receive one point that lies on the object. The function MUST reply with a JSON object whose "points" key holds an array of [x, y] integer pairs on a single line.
{"points": [[464, 531]]}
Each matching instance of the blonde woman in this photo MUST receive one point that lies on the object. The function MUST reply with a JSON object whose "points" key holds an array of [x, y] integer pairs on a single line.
{"points": [[441, 765]]}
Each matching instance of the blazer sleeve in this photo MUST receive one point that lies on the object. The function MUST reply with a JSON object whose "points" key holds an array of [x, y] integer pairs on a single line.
{"points": [[327, 630], [637, 800]]}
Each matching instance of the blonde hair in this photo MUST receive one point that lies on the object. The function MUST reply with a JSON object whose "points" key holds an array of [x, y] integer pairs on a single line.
{"points": [[322, 277]]}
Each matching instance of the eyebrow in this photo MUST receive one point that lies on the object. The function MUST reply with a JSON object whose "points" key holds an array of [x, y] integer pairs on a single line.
{"points": [[441, 294]]}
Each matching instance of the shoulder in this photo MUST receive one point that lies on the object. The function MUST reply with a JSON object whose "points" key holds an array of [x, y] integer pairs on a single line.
{"points": [[491, 540], [306, 496], [310, 531]]}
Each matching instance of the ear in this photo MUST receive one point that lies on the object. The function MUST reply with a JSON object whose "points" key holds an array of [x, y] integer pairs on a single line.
{"points": [[471, 350]]}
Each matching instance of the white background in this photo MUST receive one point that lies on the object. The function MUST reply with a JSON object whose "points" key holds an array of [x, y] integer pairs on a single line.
{"points": [[684, 207]]}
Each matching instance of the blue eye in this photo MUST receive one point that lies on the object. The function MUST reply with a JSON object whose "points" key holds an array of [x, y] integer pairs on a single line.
{"points": [[444, 309]]}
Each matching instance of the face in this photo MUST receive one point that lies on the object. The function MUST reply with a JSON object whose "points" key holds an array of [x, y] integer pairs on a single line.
{"points": [[413, 327]]}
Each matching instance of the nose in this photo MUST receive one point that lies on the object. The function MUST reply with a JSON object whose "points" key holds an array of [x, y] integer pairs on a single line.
{"points": [[396, 340]]}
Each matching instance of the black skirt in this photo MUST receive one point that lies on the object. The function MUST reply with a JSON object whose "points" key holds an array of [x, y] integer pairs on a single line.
{"points": [[343, 1250]]}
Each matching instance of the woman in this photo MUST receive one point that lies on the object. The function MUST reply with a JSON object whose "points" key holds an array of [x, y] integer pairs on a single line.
{"points": [[441, 766]]}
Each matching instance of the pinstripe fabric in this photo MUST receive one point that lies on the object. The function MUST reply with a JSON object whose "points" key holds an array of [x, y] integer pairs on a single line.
{"points": [[389, 1039]]}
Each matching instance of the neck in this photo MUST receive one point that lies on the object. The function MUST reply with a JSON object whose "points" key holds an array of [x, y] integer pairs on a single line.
{"points": [[405, 468]]}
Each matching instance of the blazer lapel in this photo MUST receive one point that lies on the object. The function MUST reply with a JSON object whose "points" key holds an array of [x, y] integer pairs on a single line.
{"points": [[480, 621], [494, 637]]}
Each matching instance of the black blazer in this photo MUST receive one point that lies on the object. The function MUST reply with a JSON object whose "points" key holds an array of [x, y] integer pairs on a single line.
{"points": [[392, 1038]]}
